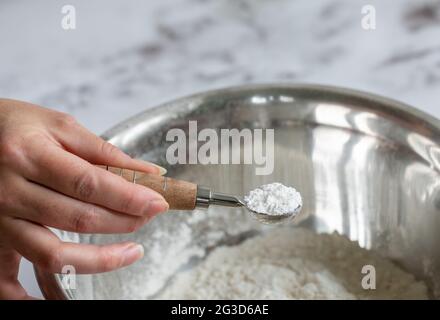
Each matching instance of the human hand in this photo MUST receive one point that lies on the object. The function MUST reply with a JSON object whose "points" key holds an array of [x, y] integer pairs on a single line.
{"points": [[47, 179]]}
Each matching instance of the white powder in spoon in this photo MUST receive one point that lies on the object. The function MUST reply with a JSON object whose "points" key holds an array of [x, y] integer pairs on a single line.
{"points": [[274, 199]]}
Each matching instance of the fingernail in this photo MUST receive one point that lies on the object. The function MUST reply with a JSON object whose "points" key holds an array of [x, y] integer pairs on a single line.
{"points": [[157, 206], [162, 170], [133, 253]]}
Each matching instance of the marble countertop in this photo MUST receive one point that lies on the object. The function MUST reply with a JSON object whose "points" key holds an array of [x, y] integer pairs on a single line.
{"points": [[126, 56]]}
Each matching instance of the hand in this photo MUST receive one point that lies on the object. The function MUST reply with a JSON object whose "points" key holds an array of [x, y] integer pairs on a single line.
{"points": [[47, 180]]}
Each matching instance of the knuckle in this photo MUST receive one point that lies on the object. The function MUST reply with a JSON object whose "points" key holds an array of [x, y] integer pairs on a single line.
{"points": [[84, 185], [10, 151], [64, 120], [108, 149], [51, 260], [10, 191], [83, 221]]}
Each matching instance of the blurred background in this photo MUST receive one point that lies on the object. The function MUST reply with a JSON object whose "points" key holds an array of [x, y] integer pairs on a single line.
{"points": [[126, 56]]}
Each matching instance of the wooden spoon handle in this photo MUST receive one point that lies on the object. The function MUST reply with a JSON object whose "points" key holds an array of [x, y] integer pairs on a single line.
{"points": [[180, 195]]}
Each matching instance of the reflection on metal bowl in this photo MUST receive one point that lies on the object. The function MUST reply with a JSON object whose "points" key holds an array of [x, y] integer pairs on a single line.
{"points": [[367, 167]]}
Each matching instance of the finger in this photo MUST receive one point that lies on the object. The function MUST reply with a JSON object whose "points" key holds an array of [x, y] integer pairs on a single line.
{"points": [[80, 141], [64, 172], [50, 208], [40, 246], [10, 287]]}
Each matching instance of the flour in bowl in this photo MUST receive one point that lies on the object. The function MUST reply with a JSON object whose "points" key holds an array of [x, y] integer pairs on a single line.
{"points": [[288, 263], [274, 199]]}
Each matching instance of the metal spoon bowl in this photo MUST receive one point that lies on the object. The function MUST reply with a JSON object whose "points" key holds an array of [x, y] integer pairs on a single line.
{"points": [[274, 219], [205, 198]]}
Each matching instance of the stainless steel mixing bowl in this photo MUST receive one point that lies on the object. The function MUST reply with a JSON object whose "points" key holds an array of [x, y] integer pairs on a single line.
{"points": [[367, 167]]}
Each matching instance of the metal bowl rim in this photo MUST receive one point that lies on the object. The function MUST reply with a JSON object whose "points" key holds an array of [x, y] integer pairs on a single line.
{"points": [[390, 104]]}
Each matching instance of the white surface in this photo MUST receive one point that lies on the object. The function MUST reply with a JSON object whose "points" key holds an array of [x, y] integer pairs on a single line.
{"points": [[127, 55]]}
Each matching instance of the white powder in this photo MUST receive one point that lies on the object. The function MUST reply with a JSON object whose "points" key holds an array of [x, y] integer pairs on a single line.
{"points": [[291, 263], [282, 263], [274, 199]]}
